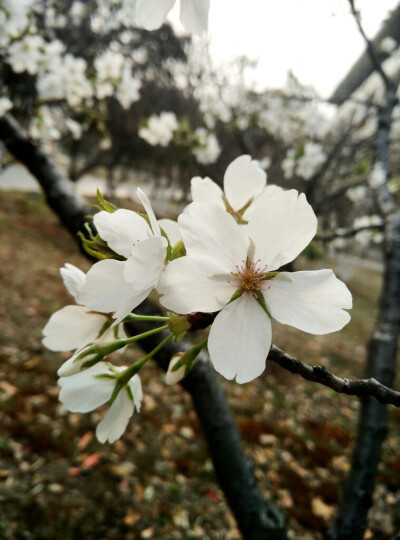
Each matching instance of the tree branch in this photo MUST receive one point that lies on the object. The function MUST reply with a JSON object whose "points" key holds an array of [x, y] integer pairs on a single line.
{"points": [[351, 519], [320, 375], [347, 233], [370, 47]]}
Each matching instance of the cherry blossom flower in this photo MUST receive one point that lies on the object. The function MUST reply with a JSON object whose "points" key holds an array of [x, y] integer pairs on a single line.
{"points": [[233, 269], [150, 14], [378, 175], [245, 188], [119, 286], [160, 129], [73, 327], [209, 149], [85, 391], [5, 105]]}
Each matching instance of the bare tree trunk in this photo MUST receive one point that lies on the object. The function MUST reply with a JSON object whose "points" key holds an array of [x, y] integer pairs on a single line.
{"points": [[257, 518], [351, 519]]}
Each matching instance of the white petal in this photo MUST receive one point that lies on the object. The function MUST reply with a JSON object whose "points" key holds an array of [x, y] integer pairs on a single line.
{"points": [[121, 229], [83, 391], [105, 289], [73, 278], [136, 387], [240, 339], [311, 301], [149, 211], [243, 180], [171, 229], [72, 327], [211, 234], [282, 228], [186, 286], [258, 204], [135, 298], [206, 190], [145, 264], [150, 14], [194, 15], [115, 421]]}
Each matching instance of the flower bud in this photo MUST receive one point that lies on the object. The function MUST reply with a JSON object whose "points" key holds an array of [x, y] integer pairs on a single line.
{"points": [[173, 376], [74, 364]]}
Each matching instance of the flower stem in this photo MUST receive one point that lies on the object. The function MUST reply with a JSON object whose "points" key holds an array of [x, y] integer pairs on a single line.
{"points": [[133, 317], [134, 368], [108, 348]]}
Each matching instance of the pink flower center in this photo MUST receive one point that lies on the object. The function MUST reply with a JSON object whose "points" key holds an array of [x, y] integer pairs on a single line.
{"points": [[250, 277]]}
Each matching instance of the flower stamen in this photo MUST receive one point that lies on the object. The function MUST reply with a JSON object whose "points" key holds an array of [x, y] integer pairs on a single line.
{"points": [[250, 277]]}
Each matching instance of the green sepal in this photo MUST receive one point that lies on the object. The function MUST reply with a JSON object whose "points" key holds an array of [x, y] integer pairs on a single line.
{"points": [[270, 275], [95, 246], [105, 205], [177, 251], [105, 327], [261, 300], [238, 215], [130, 393], [237, 294], [118, 387], [188, 358], [104, 376], [178, 326]]}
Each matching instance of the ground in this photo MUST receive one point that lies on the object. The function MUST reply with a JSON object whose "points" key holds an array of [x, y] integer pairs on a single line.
{"points": [[58, 483]]}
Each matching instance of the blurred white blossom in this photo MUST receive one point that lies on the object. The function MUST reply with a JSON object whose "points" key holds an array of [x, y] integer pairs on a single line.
{"points": [[377, 176], [209, 149], [160, 129]]}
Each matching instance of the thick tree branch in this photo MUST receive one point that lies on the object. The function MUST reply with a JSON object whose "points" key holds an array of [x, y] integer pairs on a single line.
{"points": [[351, 519]]}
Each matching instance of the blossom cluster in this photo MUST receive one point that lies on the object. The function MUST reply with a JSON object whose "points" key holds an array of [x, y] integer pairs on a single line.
{"points": [[303, 162], [221, 257], [162, 129]]}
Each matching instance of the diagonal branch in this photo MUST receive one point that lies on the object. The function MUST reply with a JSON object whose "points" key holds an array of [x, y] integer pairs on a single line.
{"points": [[349, 233], [357, 387], [319, 374], [370, 47]]}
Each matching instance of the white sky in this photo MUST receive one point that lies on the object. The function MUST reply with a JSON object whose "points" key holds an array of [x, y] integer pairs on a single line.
{"points": [[317, 39]]}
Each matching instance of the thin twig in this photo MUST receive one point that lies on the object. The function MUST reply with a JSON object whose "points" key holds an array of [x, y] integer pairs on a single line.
{"points": [[319, 374], [370, 47], [348, 233]]}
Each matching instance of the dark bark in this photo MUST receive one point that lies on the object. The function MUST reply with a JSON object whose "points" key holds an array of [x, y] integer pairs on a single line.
{"points": [[350, 522], [257, 518], [351, 519]]}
